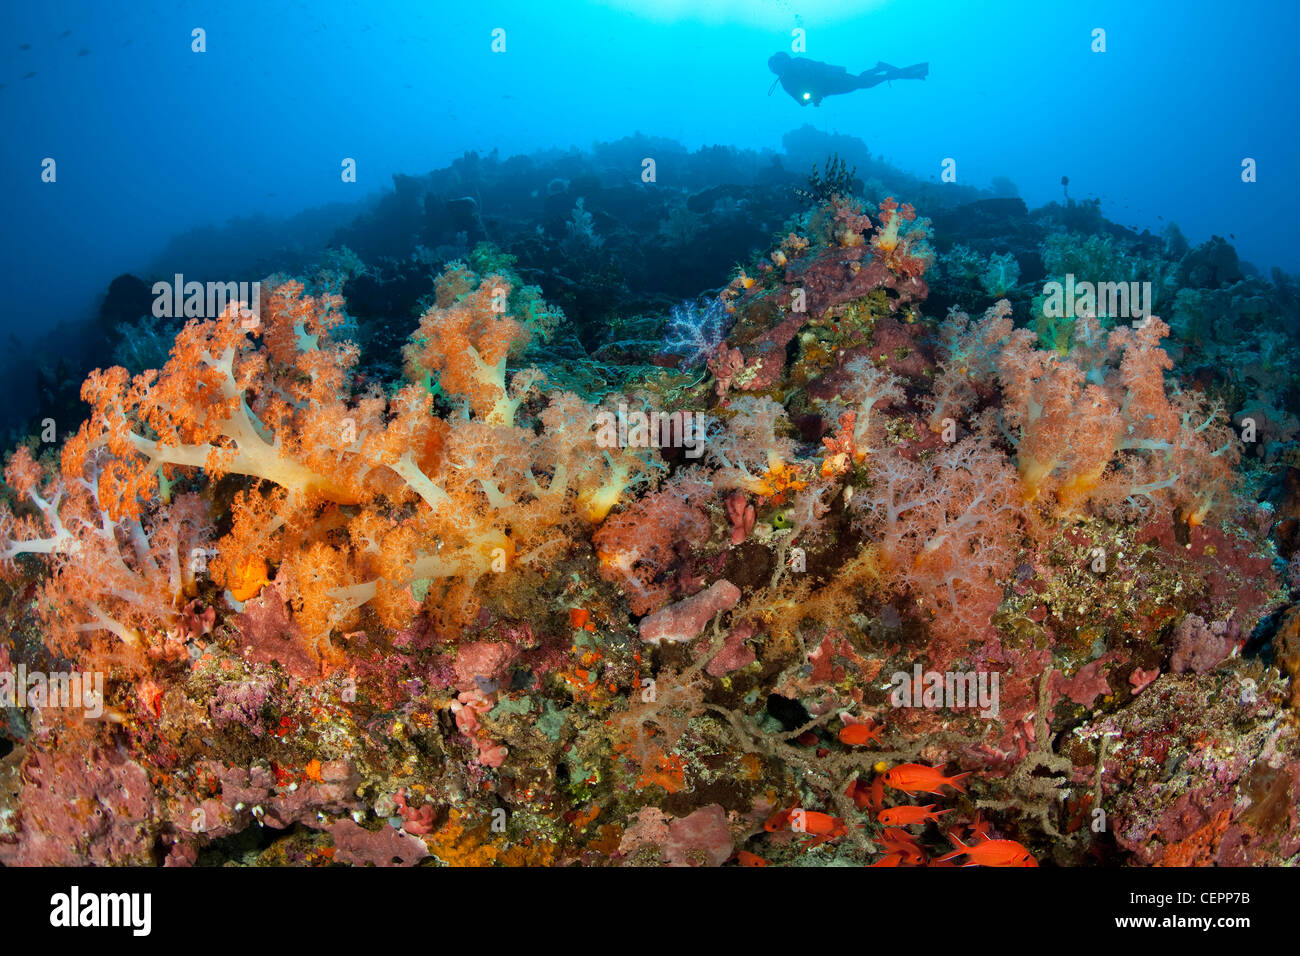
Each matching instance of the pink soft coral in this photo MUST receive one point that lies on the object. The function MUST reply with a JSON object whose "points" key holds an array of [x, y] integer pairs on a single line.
{"points": [[1096, 430], [639, 547], [946, 530], [970, 353], [903, 246]]}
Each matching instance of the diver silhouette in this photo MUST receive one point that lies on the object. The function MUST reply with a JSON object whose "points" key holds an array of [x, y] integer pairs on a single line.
{"points": [[808, 81]]}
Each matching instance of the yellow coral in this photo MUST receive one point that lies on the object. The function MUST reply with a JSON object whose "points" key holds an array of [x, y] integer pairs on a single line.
{"points": [[456, 844]]}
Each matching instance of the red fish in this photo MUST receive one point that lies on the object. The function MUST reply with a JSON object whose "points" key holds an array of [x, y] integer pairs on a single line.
{"points": [[906, 816], [817, 824], [860, 795], [918, 778], [867, 798], [877, 799], [823, 826], [979, 827], [858, 735], [991, 853], [745, 858], [777, 821], [895, 835], [903, 844]]}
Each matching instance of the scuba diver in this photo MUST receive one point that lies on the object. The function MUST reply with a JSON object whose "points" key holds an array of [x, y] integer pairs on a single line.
{"points": [[808, 81]]}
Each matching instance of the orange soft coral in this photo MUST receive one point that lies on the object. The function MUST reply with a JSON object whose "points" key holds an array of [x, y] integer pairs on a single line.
{"points": [[224, 405], [466, 343], [130, 578], [349, 504], [1098, 428], [905, 250]]}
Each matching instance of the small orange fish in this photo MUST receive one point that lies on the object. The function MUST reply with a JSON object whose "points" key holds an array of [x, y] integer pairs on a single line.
{"points": [[817, 824], [979, 827], [877, 798], [745, 858], [778, 821], [906, 816], [858, 735], [867, 798], [860, 795], [991, 853], [918, 778], [895, 835], [904, 844], [889, 859]]}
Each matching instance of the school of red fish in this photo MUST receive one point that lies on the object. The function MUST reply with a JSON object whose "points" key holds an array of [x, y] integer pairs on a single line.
{"points": [[900, 846]]}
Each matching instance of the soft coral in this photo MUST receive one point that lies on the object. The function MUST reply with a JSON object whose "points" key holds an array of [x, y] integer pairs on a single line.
{"points": [[224, 405], [128, 577], [1097, 429], [946, 530], [466, 339], [638, 547]]}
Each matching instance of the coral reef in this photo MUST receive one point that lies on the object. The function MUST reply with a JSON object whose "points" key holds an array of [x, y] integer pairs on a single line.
{"points": [[993, 590]]}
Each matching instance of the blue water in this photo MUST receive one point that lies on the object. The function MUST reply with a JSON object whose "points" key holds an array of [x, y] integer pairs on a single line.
{"points": [[151, 139]]}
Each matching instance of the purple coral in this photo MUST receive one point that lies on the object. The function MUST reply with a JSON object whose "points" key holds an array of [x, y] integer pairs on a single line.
{"points": [[94, 809], [1199, 646], [242, 704], [695, 333], [383, 847]]}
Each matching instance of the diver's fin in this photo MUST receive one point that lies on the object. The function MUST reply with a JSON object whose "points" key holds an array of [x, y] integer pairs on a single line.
{"points": [[917, 71]]}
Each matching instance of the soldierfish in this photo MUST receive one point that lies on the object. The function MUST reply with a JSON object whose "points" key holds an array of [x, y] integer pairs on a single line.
{"points": [[906, 816], [777, 821], [867, 797], [889, 859], [918, 778], [903, 844], [823, 826], [991, 853], [817, 824], [857, 735]]}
